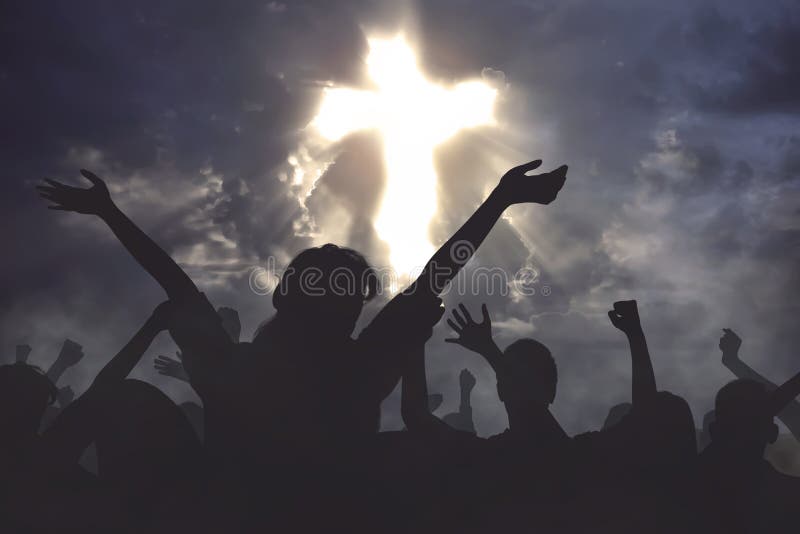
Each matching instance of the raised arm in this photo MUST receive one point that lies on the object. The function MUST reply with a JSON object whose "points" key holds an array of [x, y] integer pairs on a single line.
{"points": [[71, 353], [785, 394], [73, 429], [515, 187], [462, 419], [121, 365], [390, 343], [625, 316], [414, 402], [729, 344], [96, 200], [476, 337]]}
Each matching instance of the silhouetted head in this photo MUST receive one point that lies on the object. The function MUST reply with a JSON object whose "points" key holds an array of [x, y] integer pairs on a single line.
{"points": [[743, 422], [143, 439], [666, 436], [324, 289], [25, 393], [616, 413], [529, 375]]}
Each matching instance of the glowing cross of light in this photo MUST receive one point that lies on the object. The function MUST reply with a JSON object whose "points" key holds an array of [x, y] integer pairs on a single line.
{"points": [[412, 115]]}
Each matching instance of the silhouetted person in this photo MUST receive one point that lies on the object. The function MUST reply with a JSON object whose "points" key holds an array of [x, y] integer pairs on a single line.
{"points": [[462, 419], [149, 458], [743, 491], [174, 367], [36, 491], [644, 458], [616, 413], [304, 394], [71, 354], [729, 344], [526, 375], [25, 393], [501, 479]]}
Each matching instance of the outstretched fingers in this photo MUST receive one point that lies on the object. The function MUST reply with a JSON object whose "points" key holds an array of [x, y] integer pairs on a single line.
{"points": [[456, 328], [460, 319], [56, 185]]}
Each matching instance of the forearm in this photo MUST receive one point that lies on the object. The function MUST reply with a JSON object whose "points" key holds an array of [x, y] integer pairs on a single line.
{"points": [[465, 405], [789, 414], [785, 394], [643, 378], [56, 370], [123, 363], [150, 256], [493, 355], [414, 402], [445, 264], [741, 370]]}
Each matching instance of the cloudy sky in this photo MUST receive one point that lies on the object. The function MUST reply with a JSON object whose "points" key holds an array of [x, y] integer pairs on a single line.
{"points": [[679, 121]]}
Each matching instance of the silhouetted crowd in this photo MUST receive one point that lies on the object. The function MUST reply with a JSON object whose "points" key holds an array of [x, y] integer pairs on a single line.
{"points": [[287, 438]]}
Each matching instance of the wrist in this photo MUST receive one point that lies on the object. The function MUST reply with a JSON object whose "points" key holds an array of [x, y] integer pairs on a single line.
{"points": [[635, 334], [498, 198], [108, 210]]}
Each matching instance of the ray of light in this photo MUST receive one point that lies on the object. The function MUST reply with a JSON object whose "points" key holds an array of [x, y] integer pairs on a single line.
{"points": [[413, 116]]}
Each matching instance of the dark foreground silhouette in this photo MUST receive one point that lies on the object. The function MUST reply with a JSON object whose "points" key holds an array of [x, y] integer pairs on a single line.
{"points": [[287, 436]]}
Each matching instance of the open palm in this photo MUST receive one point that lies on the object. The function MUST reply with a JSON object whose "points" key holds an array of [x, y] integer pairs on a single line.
{"points": [[170, 367], [92, 200], [472, 335], [517, 187]]}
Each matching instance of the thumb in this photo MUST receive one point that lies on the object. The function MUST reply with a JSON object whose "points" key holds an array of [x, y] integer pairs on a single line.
{"points": [[92, 177]]}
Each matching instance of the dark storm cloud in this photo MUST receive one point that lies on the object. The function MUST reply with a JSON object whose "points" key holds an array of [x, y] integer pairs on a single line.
{"points": [[678, 121]]}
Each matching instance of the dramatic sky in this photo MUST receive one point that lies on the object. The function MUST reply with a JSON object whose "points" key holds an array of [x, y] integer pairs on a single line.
{"points": [[679, 120]]}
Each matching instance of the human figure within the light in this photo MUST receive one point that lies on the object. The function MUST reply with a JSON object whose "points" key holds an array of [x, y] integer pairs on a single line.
{"points": [[413, 116]]}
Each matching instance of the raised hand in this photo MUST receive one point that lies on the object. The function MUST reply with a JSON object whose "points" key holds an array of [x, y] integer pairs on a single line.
{"points": [[71, 353], [93, 200], [625, 316], [170, 367], [729, 344], [474, 336], [466, 380], [22, 353], [517, 187]]}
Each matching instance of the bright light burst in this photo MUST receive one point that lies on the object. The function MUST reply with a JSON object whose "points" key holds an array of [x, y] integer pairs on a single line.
{"points": [[412, 115]]}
